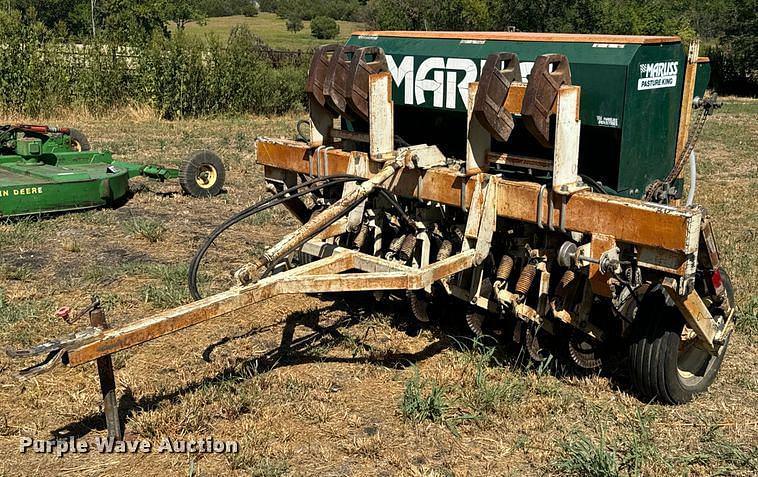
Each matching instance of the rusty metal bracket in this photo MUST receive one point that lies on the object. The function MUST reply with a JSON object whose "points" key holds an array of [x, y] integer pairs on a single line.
{"points": [[549, 73], [361, 68], [708, 250], [55, 345], [494, 83], [697, 315], [317, 73], [335, 85]]}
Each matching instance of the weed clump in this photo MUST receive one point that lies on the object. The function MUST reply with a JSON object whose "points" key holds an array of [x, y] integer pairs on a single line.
{"points": [[149, 229]]}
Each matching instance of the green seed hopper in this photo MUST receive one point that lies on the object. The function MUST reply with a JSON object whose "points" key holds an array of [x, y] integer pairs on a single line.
{"points": [[45, 169], [631, 94]]}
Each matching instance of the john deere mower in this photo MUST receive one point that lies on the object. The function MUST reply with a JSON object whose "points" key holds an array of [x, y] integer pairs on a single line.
{"points": [[46, 169]]}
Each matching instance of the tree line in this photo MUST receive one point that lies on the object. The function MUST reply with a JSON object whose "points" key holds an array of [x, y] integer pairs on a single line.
{"points": [[728, 29]]}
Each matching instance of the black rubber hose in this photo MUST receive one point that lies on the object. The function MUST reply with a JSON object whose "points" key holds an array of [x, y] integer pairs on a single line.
{"points": [[596, 186], [267, 203], [276, 199], [396, 205], [300, 135]]}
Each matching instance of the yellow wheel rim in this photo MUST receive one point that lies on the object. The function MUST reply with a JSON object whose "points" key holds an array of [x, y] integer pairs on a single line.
{"points": [[206, 176]]}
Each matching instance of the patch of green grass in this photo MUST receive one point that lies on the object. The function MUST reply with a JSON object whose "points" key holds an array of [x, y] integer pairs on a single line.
{"points": [[749, 383], [747, 316], [96, 217], [739, 107], [271, 29], [728, 457], [418, 405], [628, 455], [488, 394], [21, 320], [15, 272], [150, 229], [12, 311], [263, 217], [581, 456], [171, 289], [26, 231], [640, 447], [97, 273]]}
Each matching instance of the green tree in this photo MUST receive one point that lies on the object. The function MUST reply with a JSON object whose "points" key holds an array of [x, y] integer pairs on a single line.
{"points": [[132, 21], [324, 28], [268, 5], [225, 8], [310, 9], [249, 10], [182, 12], [400, 14], [294, 24]]}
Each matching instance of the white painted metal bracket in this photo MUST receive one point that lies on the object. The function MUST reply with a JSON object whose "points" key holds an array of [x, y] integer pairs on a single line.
{"points": [[566, 153], [381, 116]]}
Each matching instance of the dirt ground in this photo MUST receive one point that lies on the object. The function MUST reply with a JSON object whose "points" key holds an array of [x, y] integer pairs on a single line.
{"points": [[314, 386]]}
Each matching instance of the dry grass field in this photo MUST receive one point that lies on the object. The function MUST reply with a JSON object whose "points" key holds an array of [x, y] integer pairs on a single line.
{"points": [[317, 386]]}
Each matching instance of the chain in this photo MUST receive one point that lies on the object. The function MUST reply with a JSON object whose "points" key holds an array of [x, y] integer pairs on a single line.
{"points": [[653, 190]]}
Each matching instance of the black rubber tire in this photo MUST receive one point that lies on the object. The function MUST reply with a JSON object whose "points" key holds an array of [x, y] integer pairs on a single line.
{"points": [[654, 355], [197, 164], [79, 140], [726, 279]]}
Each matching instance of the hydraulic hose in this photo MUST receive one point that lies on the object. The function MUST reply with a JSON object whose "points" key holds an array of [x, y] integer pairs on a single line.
{"points": [[276, 199], [595, 185], [291, 242]]}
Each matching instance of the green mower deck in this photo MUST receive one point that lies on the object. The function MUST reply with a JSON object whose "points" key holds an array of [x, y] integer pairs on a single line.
{"points": [[45, 170]]}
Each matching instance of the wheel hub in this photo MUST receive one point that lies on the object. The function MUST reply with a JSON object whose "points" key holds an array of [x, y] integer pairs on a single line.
{"points": [[206, 176]]}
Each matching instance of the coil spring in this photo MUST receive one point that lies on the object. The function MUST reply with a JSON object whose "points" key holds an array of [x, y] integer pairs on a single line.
{"points": [[446, 249], [406, 249], [396, 243], [565, 284], [525, 279], [505, 268], [567, 278], [360, 237]]}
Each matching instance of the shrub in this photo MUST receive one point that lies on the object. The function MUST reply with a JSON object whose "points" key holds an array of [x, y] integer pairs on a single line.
{"points": [[249, 10], [268, 5], [294, 24], [324, 28], [178, 76]]}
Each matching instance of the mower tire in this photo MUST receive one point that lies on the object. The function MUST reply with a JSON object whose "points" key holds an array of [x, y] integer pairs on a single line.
{"points": [[79, 141], [202, 174]]}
